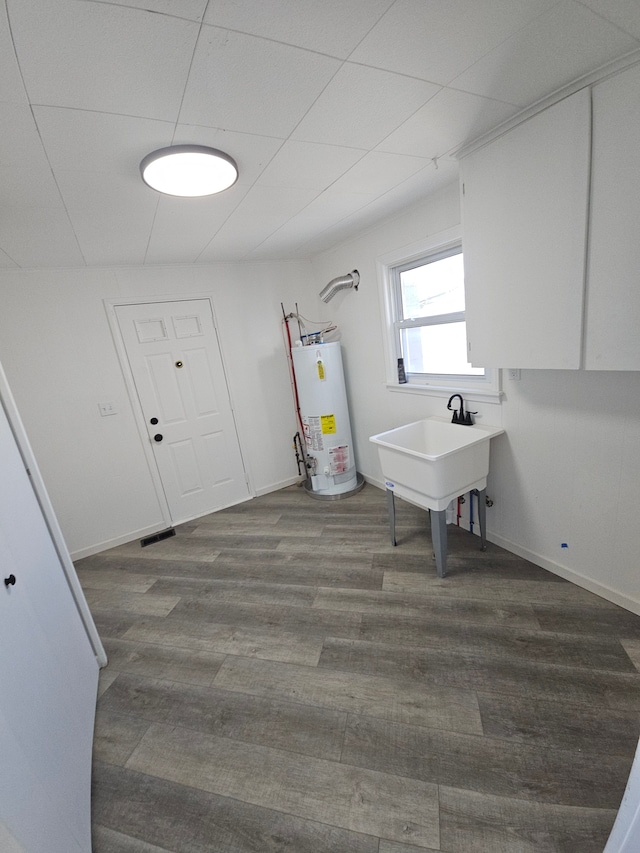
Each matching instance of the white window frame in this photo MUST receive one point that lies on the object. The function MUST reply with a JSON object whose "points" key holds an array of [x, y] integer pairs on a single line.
{"points": [[481, 388]]}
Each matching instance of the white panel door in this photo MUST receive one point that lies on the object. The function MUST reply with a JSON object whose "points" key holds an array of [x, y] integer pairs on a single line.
{"points": [[175, 360], [48, 677]]}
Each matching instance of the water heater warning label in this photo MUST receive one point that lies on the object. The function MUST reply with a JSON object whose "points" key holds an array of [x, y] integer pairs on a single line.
{"points": [[312, 433], [339, 459], [328, 423]]}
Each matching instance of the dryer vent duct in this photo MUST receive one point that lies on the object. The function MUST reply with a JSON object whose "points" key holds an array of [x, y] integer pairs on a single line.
{"points": [[351, 279]]}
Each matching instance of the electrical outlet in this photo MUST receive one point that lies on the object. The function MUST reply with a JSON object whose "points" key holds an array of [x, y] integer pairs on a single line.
{"points": [[514, 373]]}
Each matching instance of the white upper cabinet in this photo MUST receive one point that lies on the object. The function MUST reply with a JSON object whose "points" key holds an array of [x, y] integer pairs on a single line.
{"points": [[525, 206], [612, 339]]}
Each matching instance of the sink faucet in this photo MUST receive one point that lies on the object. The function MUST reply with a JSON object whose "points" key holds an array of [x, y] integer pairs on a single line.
{"points": [[459, 415]]}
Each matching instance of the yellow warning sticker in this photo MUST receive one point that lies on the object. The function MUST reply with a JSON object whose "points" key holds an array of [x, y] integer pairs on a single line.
{"points": [[321, 375], [328, 423]]}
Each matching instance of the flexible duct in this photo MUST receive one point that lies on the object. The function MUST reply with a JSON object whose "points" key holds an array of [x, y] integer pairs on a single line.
{"points": [[342, 282]]}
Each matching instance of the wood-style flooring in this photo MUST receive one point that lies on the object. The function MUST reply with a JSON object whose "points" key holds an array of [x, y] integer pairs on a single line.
{"points": [[282, 679]]}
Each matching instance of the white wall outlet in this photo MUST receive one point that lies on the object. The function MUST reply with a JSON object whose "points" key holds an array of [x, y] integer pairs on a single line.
{"points": [[107, 409], [514, 373]]}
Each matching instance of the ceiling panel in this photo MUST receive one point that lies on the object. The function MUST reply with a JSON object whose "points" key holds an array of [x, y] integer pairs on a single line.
{"points": [[95, 56], [192, 10], [239, 82], [436, 41], [309, 165], [338, 113], [333, 205], [379, 172], [446, 122], [261, 212], [556, 49], [11, 87], [192, 223], [623, 13], [96, 142], [40, 237], [305, 23], [20, 143], [360, 106]]}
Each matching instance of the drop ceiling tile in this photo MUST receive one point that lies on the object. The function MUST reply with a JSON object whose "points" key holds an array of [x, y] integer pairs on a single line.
{"points": [[103, 143], [333, 27], [446, 122], [239, 82], [436, 41], [361, 105], [27, 187], [192, 10], [107, 210], [557, 48], [100, 228], [309, 165], [332, 206], [261, 212], [183, 228], [7, 263], [379, 172], [623, 13], [92, 191], [97, 56], [11, 86], [20, 143], [40, 237], [427, 181]]}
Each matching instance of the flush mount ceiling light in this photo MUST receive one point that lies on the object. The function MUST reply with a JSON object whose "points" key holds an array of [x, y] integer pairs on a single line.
{"points": [[188, 170]]}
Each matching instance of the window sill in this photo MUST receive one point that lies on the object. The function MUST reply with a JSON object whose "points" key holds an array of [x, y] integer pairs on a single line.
{"points": [[485, 395]]}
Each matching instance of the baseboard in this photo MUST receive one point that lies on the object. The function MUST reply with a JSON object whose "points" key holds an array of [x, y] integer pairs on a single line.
{"points": [[118, 540], [274, 487], [589, 584], [156, 528]]}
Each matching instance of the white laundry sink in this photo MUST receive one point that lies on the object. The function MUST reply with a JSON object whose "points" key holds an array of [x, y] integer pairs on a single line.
{"points": [[433, 461]]}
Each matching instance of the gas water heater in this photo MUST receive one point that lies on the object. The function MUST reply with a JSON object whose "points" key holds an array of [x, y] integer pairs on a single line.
{"points": [[325, 419]]}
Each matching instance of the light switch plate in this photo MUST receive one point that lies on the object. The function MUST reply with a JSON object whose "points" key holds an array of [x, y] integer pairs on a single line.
{"points": [[107, 409]]}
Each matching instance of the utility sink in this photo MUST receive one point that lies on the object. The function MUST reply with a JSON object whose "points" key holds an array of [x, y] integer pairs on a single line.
{"points": [[433, 461]]}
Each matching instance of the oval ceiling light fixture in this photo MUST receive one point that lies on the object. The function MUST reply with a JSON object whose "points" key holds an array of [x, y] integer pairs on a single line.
{"points": [[188, 170]]}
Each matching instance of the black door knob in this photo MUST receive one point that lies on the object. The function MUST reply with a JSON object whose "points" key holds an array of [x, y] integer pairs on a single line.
{"points": [[157, 437], [10, 581], [153, 421]]}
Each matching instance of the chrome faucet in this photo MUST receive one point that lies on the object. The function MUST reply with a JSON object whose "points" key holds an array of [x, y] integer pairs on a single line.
{"points": [[459, 415]]}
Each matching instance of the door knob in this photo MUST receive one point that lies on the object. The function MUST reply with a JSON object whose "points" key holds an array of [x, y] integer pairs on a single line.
{"points": [[157, 437], [10, 581]]}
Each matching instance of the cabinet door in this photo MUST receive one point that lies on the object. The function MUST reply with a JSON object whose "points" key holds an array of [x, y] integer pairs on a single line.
{"points": [[524, 217], [48, 677], [613, 301]]}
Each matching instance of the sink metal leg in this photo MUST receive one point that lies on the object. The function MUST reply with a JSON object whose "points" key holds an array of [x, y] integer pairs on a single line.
{"points": [[439, 539], [482, 516], [391, 506]]}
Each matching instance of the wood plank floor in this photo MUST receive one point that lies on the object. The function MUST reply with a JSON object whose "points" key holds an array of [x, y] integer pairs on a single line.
{"points": [[282, 679]]}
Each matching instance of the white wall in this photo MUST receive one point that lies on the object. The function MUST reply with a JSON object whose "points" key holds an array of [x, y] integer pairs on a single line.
{"points": [[60, 359], [564, 472], [566, 469]]}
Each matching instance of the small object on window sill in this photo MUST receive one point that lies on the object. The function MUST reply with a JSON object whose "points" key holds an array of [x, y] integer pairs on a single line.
{"points": [[402, 376]]}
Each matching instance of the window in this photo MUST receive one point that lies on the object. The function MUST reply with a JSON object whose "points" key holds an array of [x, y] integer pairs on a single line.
{"points": [[425, 308]]}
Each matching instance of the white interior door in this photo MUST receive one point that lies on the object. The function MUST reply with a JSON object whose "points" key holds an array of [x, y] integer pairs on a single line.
{"points": [[177, 369], [48, 678]]}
